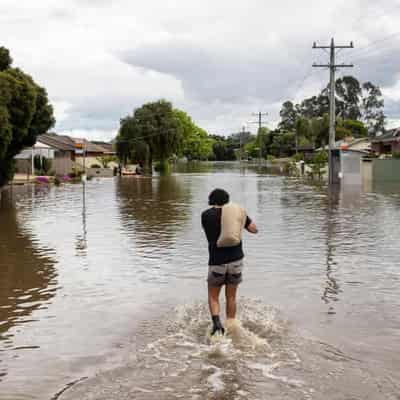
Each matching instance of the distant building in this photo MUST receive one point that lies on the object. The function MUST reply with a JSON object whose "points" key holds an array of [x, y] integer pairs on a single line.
{"points": [[388, 143], [68, 152], [352, 153], [64, 152], [360, 144], [308, 151]]}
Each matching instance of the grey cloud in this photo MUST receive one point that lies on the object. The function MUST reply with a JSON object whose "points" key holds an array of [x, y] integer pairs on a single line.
{"points": [[381, 67], [223, 81], [392, 109], [92, 113], [269, 76], [209, 74]]}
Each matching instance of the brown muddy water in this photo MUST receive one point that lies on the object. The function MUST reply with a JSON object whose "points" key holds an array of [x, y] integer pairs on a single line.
{"points": [[103, 292]]}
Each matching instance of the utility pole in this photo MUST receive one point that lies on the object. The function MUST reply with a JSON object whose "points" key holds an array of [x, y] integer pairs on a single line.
{"points": [[260, 124], [332, 115], [242, 132]]}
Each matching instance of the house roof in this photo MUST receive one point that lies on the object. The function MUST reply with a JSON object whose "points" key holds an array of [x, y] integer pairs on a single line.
{"points": [[362, 144], [389, 136], [108, 147], [91, 147], [67, 143], [337, 146], [40, 145], [366, 152], [58, 142]]}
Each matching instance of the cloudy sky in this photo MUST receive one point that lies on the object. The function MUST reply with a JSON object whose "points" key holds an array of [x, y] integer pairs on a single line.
{"points": [[218, 60]]}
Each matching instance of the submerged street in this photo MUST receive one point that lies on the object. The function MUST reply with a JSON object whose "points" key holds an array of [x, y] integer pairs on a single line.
{"points": [[103, 291]]}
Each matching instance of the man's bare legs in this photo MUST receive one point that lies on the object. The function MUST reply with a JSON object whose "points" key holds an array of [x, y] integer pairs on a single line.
{"points": [[213, 299], [230, 293], [213, 302]]}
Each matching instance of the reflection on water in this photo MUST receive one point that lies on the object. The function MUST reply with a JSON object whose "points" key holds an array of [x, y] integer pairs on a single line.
{"points": [[129, 259], [195, 167], [154, 210], [332, 288], [81, 239], [27, 274]]}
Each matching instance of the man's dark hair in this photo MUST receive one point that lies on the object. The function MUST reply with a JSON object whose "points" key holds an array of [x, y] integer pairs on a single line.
{"points": [[218, 197]]}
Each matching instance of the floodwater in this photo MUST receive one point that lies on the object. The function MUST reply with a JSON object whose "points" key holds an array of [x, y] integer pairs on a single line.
{"points": [[103, 292]]}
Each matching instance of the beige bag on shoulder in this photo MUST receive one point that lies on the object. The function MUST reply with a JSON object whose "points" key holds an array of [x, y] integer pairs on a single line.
{"points": [[233, 219]]}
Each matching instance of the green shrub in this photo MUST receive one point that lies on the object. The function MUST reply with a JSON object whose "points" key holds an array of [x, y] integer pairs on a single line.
{"points": [[76, 173], [396, 155], [290, 168], [298, 157], [37, 164], [46, 165], [318, 164], [105, 160], [163, 167], [42, 165]]}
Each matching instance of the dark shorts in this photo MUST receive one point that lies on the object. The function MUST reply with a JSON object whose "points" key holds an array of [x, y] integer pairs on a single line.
{"points": [[225, 274]]}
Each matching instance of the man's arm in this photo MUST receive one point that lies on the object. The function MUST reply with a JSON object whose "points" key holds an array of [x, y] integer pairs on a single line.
{"points": [[250, 226]]}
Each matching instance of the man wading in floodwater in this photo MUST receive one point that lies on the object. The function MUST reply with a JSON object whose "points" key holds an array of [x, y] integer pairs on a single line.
{"points": [[223, 224]]}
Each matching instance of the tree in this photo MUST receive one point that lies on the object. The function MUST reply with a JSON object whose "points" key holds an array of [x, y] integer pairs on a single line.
{"points": [[318, 164], [315, 106], [199, 146], [159, 128], [5, 59], [372, 106], [302, 128], [130, 146], [280, 144], [196, 144], [25, 113], [319, 131], [261, 140], [359, 110], [252, 149], [288, 116], [153, 132], [348, 97], [223, 148], [356, 128]]}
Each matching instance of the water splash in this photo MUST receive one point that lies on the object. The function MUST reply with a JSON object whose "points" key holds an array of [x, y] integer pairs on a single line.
{"points": [[259, 356]]}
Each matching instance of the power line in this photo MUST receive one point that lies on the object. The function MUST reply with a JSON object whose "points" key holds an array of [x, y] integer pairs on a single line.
{"points": [[361, 53], [384, 39], [138, 138], [375, 53]]}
